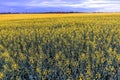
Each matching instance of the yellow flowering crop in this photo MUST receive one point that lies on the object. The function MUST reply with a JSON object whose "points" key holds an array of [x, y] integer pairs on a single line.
{"points": [[78, 46]]}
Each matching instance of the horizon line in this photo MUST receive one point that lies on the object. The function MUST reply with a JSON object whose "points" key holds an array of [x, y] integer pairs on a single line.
{"points": [[52, 12]]}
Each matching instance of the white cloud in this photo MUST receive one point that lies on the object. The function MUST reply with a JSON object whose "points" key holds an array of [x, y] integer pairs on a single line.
{"points": [[108, 9], [104, 5], [49, 4], [100, 5], [84, 4]]}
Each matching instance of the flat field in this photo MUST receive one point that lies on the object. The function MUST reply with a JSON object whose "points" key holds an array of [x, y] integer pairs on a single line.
{"points": [[76, 46]]}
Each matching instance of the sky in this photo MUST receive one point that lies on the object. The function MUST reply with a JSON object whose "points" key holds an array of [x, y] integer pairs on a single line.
{"points": [[59, 5]]}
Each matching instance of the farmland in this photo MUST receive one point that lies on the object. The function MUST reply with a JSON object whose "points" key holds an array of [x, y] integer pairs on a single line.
{"points": [[76, 46]]}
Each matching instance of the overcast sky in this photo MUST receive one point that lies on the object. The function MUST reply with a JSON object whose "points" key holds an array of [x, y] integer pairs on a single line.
{"points": [[59, 5]]}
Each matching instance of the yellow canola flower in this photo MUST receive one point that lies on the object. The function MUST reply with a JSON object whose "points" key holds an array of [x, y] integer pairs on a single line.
{"points": [[38, 70], [22, 56], [80, 79], [1, 75], [6, 54], [118, 57], [14, 66]]}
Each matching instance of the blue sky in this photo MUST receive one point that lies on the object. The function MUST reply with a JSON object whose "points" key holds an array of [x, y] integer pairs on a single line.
{"points": [[59, 5]]}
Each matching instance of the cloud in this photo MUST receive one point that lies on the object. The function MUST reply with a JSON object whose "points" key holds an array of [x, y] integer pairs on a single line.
{"points": [[98, 5], [108, 9], [104, 5]]}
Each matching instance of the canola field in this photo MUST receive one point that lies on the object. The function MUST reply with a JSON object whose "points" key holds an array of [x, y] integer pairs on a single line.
{"points": [[75, 46]]}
